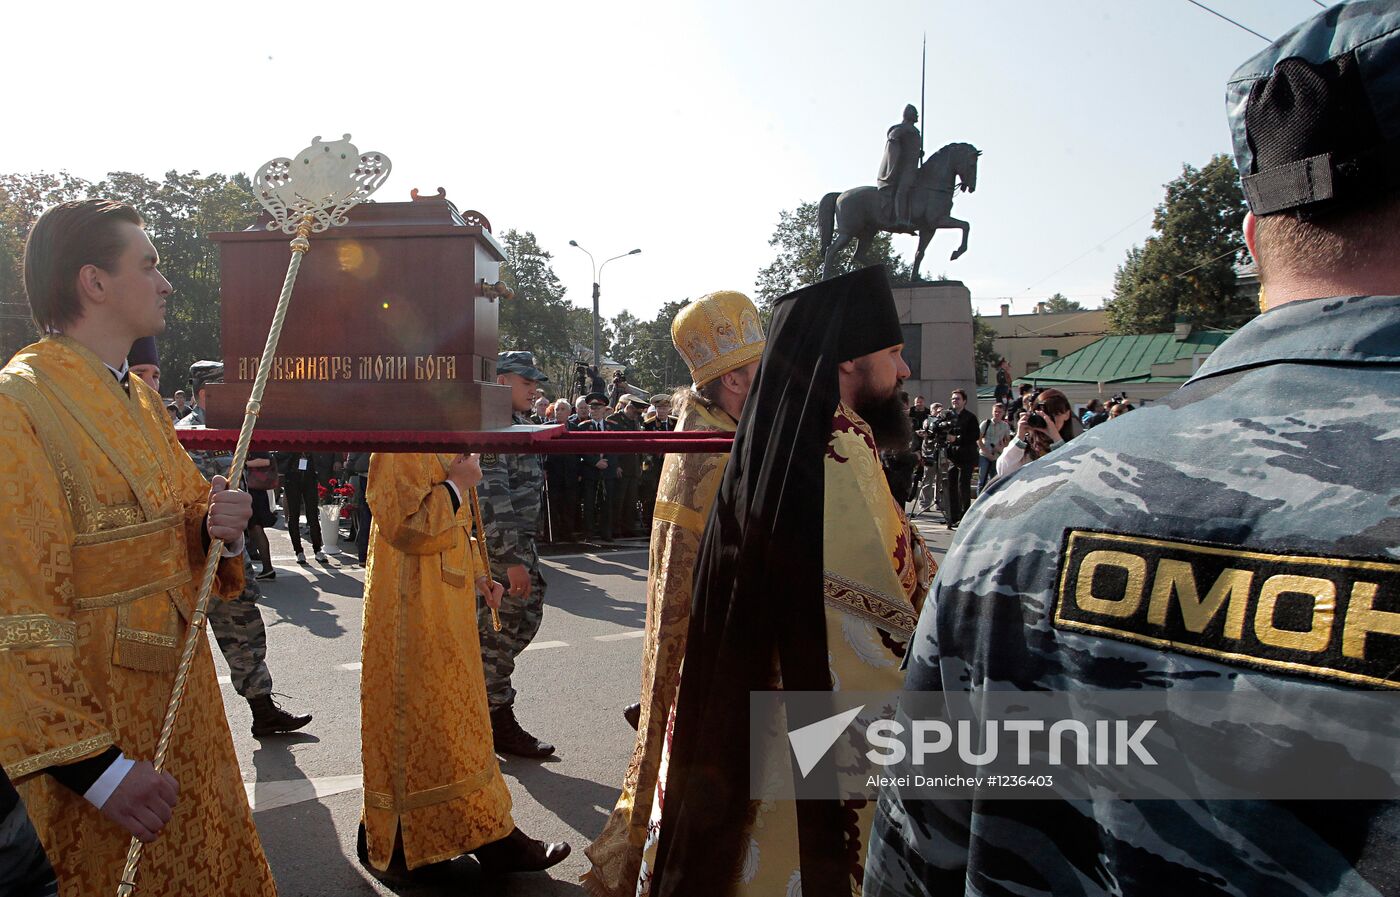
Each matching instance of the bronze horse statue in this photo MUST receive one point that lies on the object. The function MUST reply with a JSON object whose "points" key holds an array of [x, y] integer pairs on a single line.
{"points": [[861, 212]]}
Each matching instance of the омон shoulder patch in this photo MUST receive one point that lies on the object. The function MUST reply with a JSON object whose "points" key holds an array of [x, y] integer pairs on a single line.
{"points": [[1332, 618]]}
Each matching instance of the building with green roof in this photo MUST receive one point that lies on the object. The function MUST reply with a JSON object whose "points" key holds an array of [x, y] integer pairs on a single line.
{"points": [[1145, 366]]}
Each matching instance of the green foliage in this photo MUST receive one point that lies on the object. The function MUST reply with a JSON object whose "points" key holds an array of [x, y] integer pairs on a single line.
{"points": [[1186, 268], [797, 240], [1061, 303], [539, 318], [645, 346], [984, 355], [180, 211]]}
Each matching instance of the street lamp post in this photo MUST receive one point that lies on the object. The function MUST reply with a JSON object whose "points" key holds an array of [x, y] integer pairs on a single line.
{"points": [[597, 275]]}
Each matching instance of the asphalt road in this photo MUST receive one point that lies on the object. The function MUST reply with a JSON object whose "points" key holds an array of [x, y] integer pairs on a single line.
{"points": [[573, 682]]}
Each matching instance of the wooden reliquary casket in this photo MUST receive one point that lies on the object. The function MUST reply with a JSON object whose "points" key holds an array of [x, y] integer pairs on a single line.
{"points": [[392, 324]]}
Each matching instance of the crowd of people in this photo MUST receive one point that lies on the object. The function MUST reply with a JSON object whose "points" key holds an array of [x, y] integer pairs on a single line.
{"points": [[966, 455], [787, 564]]}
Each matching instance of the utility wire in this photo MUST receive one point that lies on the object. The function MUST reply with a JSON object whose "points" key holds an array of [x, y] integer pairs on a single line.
{"points": [[1209, 261], [1232, 21], [1200, 175], [1320, 3]]}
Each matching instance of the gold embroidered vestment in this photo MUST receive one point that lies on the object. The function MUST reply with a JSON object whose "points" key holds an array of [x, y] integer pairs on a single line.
{"points": [[429, 765], [689, 483], [102, 515]]}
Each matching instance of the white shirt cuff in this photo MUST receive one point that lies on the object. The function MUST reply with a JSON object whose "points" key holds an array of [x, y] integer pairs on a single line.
{"points": [[455, 491], [107, 782], [234, 550]]}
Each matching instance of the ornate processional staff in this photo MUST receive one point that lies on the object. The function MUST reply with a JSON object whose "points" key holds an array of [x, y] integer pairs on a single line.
{"points": [[304, 196]]}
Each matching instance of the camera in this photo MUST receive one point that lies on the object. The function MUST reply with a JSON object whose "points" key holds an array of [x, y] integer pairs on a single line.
{"points": [[1036, 419]]}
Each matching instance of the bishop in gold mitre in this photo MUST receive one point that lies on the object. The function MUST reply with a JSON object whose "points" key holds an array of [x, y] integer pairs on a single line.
{"points": [[105, 523], [433, 789], [721, 339]]}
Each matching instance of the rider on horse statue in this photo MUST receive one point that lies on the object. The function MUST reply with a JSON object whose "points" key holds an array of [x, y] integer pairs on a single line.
{"points": [[903, 149]]}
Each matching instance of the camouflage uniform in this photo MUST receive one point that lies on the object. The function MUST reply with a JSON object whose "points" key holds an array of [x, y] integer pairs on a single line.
{"points": [[1283, 445], [238, 624], [511, 491]]}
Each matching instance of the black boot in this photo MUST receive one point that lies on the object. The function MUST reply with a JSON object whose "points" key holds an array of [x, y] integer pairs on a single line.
{"points": [[269, 719], [510, 738], [518, 852], [633, 714]]}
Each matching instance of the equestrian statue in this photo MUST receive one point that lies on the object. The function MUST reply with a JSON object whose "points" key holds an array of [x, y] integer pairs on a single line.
{"points": [[911, 198]]}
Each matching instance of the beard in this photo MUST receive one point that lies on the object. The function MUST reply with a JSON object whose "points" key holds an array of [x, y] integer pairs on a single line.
{"points": [[888, 419]]}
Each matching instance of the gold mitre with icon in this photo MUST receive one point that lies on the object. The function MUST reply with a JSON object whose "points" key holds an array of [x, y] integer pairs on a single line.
{"points": [[716, 334]]}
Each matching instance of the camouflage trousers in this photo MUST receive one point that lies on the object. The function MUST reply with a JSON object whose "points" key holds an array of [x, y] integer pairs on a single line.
{"points": [[24, 867], [238, 628], [520, 620]]}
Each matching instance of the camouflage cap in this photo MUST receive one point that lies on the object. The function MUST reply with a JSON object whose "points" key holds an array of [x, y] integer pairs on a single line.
{"points": [[1315, 118], [202, 373], [522, 363]]}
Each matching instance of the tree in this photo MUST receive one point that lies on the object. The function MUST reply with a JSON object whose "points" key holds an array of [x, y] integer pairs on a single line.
{"points": [[1185, 270], [797, 239], [22, 198], [180, 212], [1061, 303], [538, 318], [984, 355], [647, 350]]}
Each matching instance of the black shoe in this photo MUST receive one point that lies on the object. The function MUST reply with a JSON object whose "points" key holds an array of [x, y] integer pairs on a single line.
{"points": [[518, 852], [269, 719], [510, 738], [269, 573], [633, 714]]}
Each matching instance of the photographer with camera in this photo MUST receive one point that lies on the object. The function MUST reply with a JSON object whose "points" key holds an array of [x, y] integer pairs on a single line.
{"points": [[1046, 427], [962, 452]]}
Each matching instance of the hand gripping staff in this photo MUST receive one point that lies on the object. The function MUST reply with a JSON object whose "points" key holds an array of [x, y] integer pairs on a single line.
{"points": [[479, 524], [304, 196]]}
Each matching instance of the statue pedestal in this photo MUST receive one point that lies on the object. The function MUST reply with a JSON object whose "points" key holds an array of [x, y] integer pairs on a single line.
{"points": [[937, 322]]}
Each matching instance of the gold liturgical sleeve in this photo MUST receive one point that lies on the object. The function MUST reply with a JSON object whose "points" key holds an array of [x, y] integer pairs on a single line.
{"points": [[50, 715]]}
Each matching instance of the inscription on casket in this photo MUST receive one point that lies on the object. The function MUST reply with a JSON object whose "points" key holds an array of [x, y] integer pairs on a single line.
{"points": [[388, 328]]}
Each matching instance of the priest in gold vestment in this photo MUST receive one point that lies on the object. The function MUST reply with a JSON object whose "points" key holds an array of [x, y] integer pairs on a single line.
{"points": [[432, 787], [721, 338], [810, 578], [105, 521]]}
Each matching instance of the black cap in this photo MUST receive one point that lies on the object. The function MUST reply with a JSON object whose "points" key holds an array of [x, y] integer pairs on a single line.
{"points": [[1315, 118], [864, 303], [594, 398], [144, 351]]}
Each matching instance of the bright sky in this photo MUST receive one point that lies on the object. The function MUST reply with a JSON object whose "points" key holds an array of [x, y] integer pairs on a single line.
{"points": [[681, 128]]}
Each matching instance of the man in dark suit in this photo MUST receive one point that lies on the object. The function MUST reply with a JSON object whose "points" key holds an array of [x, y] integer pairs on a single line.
{"points": [[962, 451], [601, 473], [561, 474], [660, 422], [300, 479], [629, 417]]}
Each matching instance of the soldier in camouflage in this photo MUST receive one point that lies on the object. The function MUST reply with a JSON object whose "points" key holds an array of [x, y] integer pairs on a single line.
{"points": [[1276, 459], [238, 624], [511, 491]]}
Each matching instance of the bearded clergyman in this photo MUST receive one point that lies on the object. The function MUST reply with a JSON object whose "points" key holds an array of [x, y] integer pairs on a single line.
{"points": [[809, 578]]}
